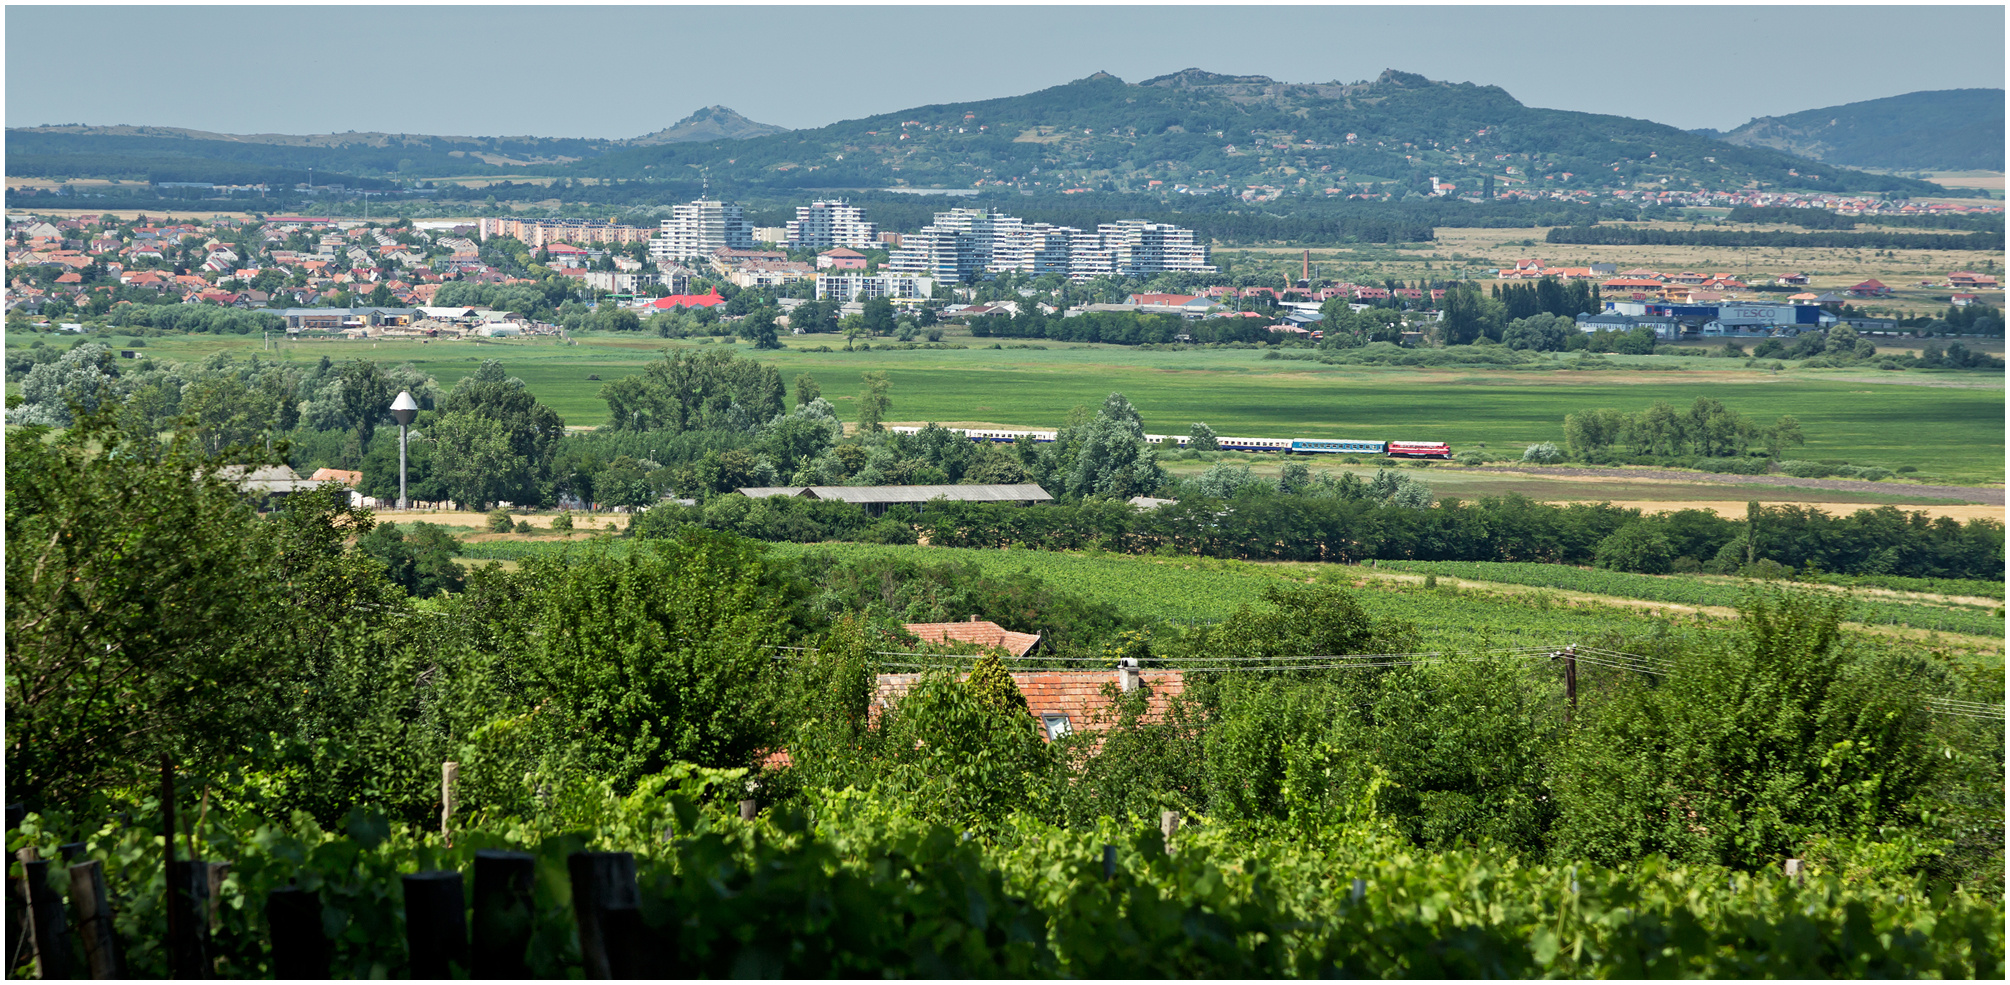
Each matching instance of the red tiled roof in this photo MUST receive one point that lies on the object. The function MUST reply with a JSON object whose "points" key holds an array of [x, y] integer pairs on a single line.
{"points": [[345, 477], [1077, 694], [985, 634], [688, 301]]}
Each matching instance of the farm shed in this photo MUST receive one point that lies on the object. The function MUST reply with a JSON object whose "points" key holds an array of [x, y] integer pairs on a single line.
{"points": [[877, 498]]}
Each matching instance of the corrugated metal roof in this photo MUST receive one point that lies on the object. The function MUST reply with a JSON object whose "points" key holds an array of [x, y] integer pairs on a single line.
{"points": [[973, 493]]}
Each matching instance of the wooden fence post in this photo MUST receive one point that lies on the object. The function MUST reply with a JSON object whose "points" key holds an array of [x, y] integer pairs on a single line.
{"points": [[48, 928], [300, 947], [1796, 871], [607, 905], [94, 920], [436, 923], [749, 808], [449, 773], [503, 890], [213, 877], [1168, 825], [188, 923]]}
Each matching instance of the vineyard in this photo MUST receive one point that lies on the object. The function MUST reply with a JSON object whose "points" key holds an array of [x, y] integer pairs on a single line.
{"points": [[1205, 590], [1948, 616], [850, 886]]}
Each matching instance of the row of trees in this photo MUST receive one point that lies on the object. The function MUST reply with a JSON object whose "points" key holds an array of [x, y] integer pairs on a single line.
{"points": [[1392, 518], [1707, 428]]}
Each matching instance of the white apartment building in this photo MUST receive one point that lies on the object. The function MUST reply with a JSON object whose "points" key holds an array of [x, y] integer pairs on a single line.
{"points": [[963, 243], [1139, 248], [956, 247], [620, 282], [857, 285], [699, 228], [821, 225]]}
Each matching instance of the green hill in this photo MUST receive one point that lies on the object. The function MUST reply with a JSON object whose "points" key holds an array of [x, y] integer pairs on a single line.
{"points": [[1188, 133], [1220, 133], [1948, 129]]}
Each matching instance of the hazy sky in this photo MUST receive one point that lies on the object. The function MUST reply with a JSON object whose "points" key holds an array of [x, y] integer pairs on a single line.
{"points": [[623, 71]]}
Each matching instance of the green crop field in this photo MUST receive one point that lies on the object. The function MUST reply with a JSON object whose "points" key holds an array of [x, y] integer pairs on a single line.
{"points": [[1939, 614], [1949, 426]]}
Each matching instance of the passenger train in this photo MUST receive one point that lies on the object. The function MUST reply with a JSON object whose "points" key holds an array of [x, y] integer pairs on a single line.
{"points": [[1287, 446]]}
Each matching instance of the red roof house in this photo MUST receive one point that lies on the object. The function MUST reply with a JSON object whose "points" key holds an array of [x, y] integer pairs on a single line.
{"points": [[705, 300], [1870, 289], [976, 633]]}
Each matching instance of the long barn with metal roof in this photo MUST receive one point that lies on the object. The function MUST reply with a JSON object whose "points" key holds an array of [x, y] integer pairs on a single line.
{"points": [[877, 498]]}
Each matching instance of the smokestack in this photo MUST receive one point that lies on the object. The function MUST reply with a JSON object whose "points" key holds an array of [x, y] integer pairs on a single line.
{"points": [[1306, 276]]}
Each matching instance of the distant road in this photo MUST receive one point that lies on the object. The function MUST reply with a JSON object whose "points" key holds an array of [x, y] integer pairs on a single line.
{"points": [[1966, 494]]}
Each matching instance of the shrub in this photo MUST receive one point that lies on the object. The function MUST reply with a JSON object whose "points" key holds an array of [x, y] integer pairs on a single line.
{"points": [[563, 521], [1806, 470], [1638, 546], [499, 522], [1543, 453], [523, 526]]}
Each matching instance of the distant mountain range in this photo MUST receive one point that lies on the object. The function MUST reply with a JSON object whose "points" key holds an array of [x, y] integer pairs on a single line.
{"points": [[1192, 132], [1941, 130], [710, 123]]}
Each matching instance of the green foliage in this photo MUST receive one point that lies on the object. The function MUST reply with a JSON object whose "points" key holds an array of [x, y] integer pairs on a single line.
{"points": [[499, 521], [421, 562], [659, 656], [151, 611], [685, 391], [1749, 748]]}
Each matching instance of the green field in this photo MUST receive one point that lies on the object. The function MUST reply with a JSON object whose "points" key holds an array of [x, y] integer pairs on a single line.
{"points": [[1949, 426], [1941, 614]]}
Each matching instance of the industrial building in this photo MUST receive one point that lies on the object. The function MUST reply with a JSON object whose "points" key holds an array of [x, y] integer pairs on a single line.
{"points": [[877, 498]]}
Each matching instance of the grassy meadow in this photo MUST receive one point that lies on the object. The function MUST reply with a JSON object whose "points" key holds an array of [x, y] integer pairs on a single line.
{"points": [[1948, 425]]}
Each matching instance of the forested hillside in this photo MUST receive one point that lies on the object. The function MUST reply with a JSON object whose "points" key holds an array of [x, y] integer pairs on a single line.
{"points": [[1192, 133], [1948, 129]]}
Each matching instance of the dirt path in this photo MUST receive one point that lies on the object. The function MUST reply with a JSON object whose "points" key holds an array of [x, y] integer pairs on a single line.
{"points": [[1967, 494]]}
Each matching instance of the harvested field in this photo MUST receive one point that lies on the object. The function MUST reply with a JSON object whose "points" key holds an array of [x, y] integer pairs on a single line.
{"points": [[1734, 509], [1970, 494]]}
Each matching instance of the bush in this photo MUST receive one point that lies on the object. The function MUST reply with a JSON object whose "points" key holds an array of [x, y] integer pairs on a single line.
{"points": [[1544, 453], [563, 521], [1638, 546], [1806, 470], [499, 522]]}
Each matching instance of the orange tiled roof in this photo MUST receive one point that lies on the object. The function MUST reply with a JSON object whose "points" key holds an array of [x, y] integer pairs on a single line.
{"points": [[978, 633]]}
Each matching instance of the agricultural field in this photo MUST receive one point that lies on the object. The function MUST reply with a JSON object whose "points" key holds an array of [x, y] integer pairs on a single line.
{"points": [[1476, 253], [1948, 425], [1483, 603]]}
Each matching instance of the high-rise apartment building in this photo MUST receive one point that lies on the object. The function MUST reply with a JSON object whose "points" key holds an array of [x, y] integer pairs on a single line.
{"points": [[699, 228], [824, 224], [963, 243]]}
